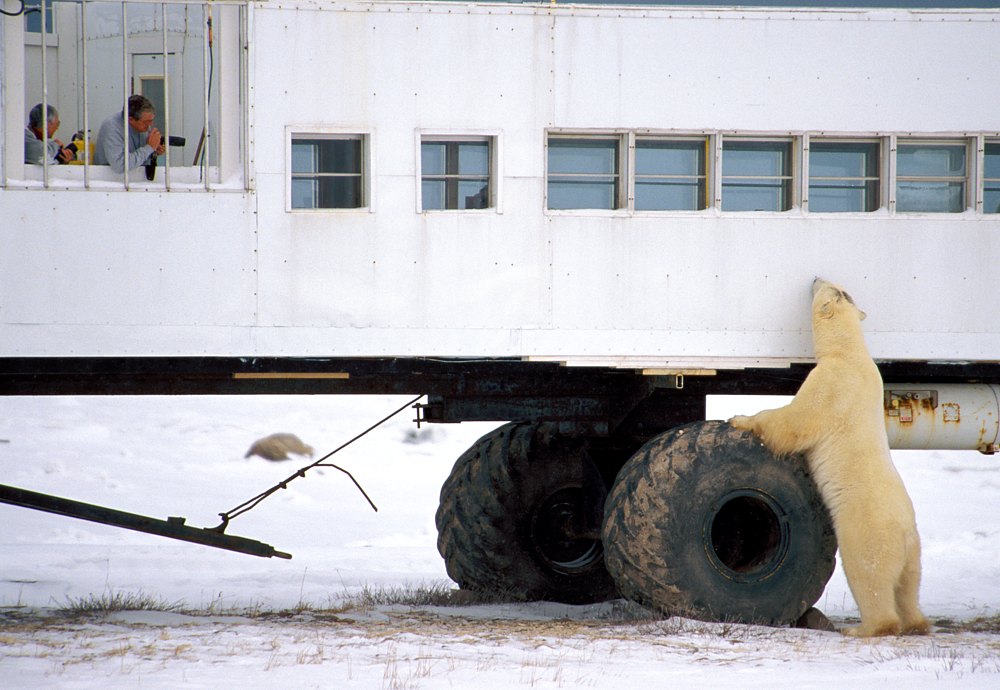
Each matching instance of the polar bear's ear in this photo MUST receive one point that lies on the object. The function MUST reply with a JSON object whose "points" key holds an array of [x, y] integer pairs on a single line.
{"points": [[861, 315], [826, 310]]}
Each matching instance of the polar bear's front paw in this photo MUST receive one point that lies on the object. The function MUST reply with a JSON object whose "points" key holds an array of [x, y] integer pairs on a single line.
{"points": [[741, 422]]}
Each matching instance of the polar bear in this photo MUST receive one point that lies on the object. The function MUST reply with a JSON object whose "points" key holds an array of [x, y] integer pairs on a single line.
{"points": [[836, 419], [278, 446]]}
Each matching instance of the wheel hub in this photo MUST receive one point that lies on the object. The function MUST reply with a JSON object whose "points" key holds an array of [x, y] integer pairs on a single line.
{"points": [[746, 535], [555, 536]]}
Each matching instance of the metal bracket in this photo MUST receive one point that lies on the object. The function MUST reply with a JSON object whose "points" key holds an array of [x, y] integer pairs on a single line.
{"points": [[902, 403]]}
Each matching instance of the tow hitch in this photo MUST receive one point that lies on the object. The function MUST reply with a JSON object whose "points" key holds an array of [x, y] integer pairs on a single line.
{"points": [[172, 527]]}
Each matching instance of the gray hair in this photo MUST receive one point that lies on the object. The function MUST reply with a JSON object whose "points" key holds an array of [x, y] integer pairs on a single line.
{"points": [[35, 116]]}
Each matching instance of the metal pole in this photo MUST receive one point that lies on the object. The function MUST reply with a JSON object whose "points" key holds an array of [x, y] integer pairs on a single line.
{"points": [[45, 103], [166, 98], [125, 88], [206, 151], [86, 109], [172, 527]]}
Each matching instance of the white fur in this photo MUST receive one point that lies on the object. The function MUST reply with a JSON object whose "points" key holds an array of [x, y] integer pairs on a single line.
{"points": [[836, 419], [278, 446]]}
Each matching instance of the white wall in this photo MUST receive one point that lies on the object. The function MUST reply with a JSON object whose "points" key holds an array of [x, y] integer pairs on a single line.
{"points": [[518, 280]]}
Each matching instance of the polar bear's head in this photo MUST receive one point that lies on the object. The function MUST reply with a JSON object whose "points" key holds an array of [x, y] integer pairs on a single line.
{"points": [[830, 301]]}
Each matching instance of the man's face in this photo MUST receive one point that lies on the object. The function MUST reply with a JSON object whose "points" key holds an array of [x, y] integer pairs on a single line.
{"points": [[53, 126], [143, 123]]}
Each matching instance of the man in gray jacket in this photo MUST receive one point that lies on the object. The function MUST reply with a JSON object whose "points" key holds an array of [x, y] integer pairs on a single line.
{"points": [[34, 143], [144, 140]]}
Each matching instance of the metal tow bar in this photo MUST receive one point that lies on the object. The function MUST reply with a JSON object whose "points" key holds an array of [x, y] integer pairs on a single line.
{"points": [[172, 527]]}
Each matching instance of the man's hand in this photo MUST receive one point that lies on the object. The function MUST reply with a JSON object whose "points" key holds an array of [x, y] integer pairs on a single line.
{"points": [[65, 154], [155, 141]]}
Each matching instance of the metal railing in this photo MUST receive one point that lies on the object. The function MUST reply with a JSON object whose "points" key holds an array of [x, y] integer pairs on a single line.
{"points": [[82, 44]]}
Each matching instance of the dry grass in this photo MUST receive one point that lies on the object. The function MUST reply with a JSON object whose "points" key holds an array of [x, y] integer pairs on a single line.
{"points": [[111, 601], [411, 637]]}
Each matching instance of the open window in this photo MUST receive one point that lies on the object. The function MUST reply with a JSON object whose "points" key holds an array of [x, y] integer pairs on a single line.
{"points": [[185, 57]]}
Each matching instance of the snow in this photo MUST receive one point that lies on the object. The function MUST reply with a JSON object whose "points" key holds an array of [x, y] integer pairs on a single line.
{"points": [[241, 621]]}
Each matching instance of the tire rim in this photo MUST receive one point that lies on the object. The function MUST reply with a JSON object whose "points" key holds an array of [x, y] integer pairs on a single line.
{"points": [[554, 534], [746, 535]]}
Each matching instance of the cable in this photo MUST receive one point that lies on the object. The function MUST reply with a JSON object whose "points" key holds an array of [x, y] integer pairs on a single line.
{"points": [[20, 11], [256, 500]]}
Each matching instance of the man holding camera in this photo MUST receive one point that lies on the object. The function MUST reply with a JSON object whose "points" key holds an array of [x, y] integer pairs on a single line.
{"points": [[34, 138], [144, 140]]}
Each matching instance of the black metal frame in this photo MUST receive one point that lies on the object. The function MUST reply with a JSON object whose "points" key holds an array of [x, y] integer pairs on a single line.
{"points": [[458, 389], [615, 410]]}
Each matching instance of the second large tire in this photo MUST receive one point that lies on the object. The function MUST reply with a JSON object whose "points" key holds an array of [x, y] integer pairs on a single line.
{"points": [[705, 522], [508, 516]]}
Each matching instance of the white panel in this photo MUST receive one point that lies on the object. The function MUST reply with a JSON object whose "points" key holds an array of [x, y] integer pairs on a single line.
{"points": [[125, 258], [96, 272], [819, 70]]}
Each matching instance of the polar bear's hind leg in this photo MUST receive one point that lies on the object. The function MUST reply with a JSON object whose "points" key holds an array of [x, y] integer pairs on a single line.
{"points": [[912, 620], [873, 570]]}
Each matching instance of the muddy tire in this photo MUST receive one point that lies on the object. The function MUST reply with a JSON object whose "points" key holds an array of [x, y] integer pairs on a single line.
{"points": [[705, 522], [506, 521]]}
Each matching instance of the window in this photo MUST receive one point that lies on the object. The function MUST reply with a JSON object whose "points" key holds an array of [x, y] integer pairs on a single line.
{"points": [[584, 172], [756, 175], [327, 171], [455, 174], [670, 174], [171, 52], [843, 176], [33, 17], [931, 177], [991, 178]]}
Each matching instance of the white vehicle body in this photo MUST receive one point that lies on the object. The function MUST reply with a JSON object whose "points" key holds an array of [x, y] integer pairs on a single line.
{"points": [[221, 264], [455, 199]]}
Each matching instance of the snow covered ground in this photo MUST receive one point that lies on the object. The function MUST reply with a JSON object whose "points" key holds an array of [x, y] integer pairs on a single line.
{"points": [[241, 621]]}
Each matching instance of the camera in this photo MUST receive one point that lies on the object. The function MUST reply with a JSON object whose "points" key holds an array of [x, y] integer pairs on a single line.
{"points": [[151, 165]]}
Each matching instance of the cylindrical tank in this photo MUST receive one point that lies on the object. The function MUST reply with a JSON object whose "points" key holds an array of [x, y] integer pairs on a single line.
{"points": [[943, 416]]}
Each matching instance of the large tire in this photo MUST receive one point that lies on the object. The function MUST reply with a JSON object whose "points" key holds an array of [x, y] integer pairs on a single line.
{"points": [[506, 522], [705, 522]]}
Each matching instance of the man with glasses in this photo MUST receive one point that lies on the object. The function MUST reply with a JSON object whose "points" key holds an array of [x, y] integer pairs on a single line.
{"points": [[144, 140]]}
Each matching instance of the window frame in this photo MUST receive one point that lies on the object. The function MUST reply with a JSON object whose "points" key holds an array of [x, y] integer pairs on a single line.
{"points": [[226, 164], [494, 176], [989, 183], [703, 179], [792, 178], [35, 6], [967, 178], [880, 177], [293, 133], [621, 178]]}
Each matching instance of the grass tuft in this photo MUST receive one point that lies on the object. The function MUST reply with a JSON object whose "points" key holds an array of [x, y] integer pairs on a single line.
{"points": [[111, 601]]}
